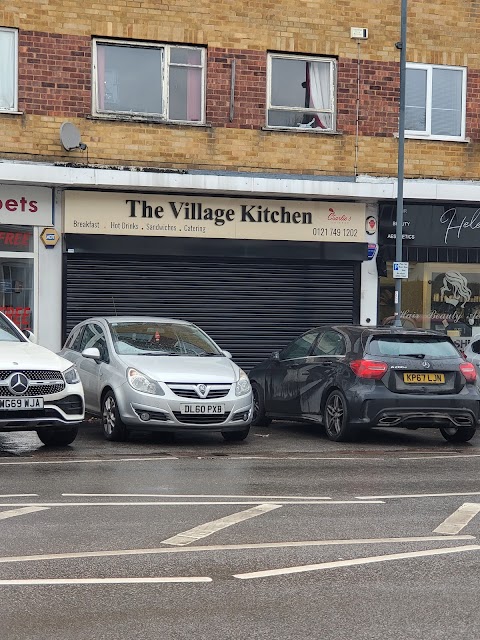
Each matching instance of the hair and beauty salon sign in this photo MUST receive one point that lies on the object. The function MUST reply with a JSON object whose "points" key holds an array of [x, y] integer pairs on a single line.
{"points": [[437, 225], [29, 206], [210, 217]]}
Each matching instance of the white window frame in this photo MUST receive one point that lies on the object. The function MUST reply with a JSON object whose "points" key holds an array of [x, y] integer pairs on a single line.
{"points": [[166, 49], [412, 133], [333, 93], [14, 107]]}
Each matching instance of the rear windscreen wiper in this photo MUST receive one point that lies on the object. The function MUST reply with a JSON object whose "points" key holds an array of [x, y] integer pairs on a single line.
{"points": [[412, 355]]}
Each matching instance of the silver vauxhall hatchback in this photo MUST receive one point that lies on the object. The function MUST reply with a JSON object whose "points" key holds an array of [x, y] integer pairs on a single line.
{"points": [[158, 374]]}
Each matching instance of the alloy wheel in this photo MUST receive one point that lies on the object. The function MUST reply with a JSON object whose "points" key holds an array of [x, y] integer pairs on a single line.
{"points": [[109, 415], [256, 404], [335, 413]]}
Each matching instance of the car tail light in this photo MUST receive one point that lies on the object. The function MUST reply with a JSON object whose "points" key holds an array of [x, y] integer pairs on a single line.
{"points": [[469, 371], [369, 369]]}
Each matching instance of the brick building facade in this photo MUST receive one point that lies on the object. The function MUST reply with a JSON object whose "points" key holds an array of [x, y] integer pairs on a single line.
{"points": [[242, 142]]}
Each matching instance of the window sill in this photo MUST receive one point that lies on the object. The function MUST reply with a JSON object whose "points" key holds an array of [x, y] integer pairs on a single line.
{"points": [[146, 120], [7, 112], [316, 131], [412, 136]]}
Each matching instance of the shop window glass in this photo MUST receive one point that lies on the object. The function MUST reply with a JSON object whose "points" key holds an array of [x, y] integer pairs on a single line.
{"points": [[439, 296], [16, 290], [16, 238]]}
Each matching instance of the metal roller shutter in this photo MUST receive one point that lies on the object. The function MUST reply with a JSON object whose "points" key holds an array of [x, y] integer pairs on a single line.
{"points": [[251, 308]]}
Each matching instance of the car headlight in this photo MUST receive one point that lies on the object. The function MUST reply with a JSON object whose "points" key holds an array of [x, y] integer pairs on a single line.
{"points": [[243, 385], [140, 382], [71, 376]]}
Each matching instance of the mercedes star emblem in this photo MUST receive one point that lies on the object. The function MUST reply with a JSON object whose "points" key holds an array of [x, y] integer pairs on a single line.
{"points": [[18, 383]]}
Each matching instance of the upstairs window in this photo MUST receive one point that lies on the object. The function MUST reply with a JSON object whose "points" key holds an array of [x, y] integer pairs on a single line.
{"points": [[147, 80], [435, 99], [8, 69], [301, 92]]}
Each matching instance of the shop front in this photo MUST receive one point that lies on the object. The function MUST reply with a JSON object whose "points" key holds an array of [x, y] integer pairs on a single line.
{"points": [[24, 211], [442, 245], [252, 272]]}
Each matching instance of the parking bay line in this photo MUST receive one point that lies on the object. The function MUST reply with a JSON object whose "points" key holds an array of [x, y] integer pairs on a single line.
{"points": [[87, 460], [77, 581], [177, 503], [209, 528], [20, 512], [418, 495], [459, 519], [186, 495], [354, 562], [227, 547]]}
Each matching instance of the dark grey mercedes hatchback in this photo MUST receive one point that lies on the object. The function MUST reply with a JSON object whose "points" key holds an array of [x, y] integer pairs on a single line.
{"points": [[350, 377]]}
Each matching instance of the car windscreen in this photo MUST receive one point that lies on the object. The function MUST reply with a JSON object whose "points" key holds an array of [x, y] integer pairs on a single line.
{"points": [[412, 346], [9, 333], [161, 338]]}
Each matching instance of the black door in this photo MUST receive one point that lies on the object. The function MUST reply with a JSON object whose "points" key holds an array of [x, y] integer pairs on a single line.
{"points": [[320, 371], [282, 395]]}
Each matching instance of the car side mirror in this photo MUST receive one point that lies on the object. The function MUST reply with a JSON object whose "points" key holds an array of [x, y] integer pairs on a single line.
{"points": [[275, 355], [92, 353], [29, 335], [227, 354]]}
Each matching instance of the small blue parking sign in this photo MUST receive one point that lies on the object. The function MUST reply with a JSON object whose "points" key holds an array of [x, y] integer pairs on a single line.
{"points": [[400, 269]]}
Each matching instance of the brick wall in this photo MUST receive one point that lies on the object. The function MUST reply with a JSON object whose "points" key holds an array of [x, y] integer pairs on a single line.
{"points": [[55, 84]]}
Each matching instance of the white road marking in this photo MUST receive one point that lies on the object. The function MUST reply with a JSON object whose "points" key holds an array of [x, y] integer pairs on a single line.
{"points": [[19, 495], [418, 495], [459, 519], [227, 547], [177, 503], [20, 512], [71, 581], [355, 562], [187, 495], [99, 461], [234, 458], [442, 457], [209, 528]]}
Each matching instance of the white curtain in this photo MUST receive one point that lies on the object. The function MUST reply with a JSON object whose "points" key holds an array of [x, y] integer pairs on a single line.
{"points": [[7, 70], [318, 75]]}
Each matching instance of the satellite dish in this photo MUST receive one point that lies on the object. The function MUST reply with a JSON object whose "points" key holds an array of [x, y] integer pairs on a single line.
{"points": [[70, 137]]}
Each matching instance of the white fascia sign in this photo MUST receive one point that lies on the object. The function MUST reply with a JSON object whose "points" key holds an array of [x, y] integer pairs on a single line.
{"points": [[25, 205]]}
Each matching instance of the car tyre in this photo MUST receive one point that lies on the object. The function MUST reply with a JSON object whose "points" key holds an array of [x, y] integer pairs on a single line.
{"points": [[236, 436], [335, 417], [57, 437], [458, 434], [113, 427], [259, 418]]}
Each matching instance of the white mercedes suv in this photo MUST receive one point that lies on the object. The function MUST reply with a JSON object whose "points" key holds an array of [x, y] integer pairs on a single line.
{"points": [[39, 391]]}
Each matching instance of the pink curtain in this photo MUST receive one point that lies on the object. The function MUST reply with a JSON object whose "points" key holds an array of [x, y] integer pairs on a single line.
{"points": [[101, 76], [194, 90]]}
